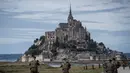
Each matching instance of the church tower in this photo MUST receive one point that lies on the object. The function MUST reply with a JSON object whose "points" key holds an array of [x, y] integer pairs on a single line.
{"points": [[70, 17]]}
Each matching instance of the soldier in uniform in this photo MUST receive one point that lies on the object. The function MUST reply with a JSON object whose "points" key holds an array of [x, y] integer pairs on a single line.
{"points": [[123, 65], [65, 67], [104, 66], [116, 65], [34, 65], [109, 67], [129, 64]]}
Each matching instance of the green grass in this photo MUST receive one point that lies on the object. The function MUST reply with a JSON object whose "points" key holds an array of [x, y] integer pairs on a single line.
{"points": [[45, 69]]}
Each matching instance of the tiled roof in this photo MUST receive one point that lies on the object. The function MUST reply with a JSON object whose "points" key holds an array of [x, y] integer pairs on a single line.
{"points": [[63, 25]]}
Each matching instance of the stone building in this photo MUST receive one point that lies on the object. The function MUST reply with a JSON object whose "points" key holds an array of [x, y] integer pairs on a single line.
{"points": [[50, 37], [69, 32], [29, 58], [72, 30]]}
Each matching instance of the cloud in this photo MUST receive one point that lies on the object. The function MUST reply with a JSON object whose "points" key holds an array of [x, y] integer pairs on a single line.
{"points": [[22, 31], [13, 40], [49, 5], [42, 17], [30, 5], [26, 29], [118, 40], [105, 14], [103, 26], [126, 16], [20, 35], [86, 21], [85, 11]]}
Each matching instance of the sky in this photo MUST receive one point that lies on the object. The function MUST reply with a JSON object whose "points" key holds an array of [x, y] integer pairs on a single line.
{"points": [[22, 21]]}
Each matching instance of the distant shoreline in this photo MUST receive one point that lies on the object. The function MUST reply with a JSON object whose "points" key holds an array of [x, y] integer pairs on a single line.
{"points": [[9, 57]]}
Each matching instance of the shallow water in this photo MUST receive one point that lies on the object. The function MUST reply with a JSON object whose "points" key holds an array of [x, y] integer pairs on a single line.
{"points": [[9, 57]]}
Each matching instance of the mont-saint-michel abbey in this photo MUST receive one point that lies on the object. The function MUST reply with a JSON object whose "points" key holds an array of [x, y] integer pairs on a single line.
{"points": [[69, 40], [70, 31]]}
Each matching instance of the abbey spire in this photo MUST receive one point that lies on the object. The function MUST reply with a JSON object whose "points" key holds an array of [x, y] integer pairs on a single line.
{"points": [[70, 17]]}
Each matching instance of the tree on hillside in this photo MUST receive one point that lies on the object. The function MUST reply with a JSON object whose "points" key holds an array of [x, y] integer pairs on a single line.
{"points": [[33, 52], [92, 46], [35, 40], [104, 47], [93, 49], [33, 47], [42, 39], [86, 37], [101, 44]]}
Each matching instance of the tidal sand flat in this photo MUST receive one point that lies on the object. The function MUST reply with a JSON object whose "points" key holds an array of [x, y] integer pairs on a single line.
{"points": [[10, 67]]}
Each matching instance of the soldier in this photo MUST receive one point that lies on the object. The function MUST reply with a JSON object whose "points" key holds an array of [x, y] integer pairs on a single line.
{"points": [[129, 64], [123, 65], [116, 65], [109, 67], [104, 66], [34, 65], [65, 67]]}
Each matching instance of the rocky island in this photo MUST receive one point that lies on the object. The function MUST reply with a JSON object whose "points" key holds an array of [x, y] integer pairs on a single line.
{"points": [[69, 40]]}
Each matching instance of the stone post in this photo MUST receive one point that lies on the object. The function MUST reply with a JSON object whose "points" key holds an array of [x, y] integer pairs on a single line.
{"points": [[99, 65], [93, 67], [85, 67]]}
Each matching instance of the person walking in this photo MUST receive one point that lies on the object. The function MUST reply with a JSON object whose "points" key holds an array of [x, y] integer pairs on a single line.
{"points": [[116, 65], [129, 64], [34, 65], [66, 67], [109, 67], [123, 65], [104, 66]]}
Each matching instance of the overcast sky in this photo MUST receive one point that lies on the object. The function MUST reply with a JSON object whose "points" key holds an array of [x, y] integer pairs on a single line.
{"points": [[21, 21]]}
